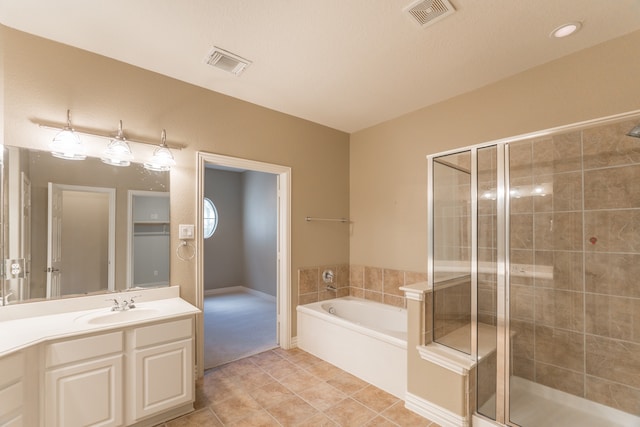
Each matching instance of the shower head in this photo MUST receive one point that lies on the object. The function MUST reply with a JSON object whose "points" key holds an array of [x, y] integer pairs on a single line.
{"points": [[635, 132]]}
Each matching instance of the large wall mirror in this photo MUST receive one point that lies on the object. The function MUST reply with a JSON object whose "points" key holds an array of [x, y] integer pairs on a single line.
{"points": [[80, 227]]}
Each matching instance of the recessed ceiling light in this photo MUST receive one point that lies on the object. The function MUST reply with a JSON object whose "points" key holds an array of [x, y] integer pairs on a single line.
{"points": [[565, 30]]}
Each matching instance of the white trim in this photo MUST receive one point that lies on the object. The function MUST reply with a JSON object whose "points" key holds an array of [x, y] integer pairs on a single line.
{"points": [[446, 358], [230, 289], [436, 413], [283, 249], [416, 291], [294, 342]]}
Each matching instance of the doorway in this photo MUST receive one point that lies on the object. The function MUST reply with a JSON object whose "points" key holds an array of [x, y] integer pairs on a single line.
{"points": [[278, 257], [81, 232]]}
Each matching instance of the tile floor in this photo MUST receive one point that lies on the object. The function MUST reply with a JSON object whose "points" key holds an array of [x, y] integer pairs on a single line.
{"points": [[292, 388]]}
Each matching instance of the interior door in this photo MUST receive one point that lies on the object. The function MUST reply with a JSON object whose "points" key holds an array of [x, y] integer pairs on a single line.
{"points": [[54, 238]]}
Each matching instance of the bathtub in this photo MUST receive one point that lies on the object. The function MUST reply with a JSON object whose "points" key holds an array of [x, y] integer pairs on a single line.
{"points": [[365, 338]]}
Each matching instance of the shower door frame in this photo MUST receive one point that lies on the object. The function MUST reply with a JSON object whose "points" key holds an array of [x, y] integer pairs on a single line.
{"points": [[502, 262]]}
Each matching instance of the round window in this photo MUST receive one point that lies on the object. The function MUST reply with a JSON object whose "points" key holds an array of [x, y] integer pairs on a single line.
{"points": [[210, 216]]}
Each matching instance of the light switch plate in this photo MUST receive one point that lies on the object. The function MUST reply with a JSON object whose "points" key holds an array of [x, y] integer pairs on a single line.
{"points": [[186, 231]]}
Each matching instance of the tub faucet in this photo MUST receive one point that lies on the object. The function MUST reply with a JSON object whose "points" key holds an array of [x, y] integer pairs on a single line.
{"points": [[332, 288]]}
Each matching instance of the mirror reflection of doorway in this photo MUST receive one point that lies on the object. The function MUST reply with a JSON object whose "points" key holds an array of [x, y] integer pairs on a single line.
{"points": [[148, 239], [80, 239]]}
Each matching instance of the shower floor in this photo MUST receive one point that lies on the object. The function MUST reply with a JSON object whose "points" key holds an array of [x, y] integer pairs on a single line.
{"points": [[534, 405]]}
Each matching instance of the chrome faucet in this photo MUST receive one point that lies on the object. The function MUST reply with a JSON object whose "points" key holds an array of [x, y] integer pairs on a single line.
{"points": [[123, 305], [332, 288]]}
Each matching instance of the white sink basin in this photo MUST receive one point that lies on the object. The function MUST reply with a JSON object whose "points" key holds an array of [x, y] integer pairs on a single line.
{"points": [[103, 318]]}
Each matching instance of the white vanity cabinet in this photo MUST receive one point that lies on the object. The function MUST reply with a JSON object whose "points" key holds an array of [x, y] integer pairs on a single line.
{"points": [[160, 368], [12, 386], [83, 381]]}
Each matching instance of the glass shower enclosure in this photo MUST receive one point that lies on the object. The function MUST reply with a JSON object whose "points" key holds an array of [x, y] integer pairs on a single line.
{"points": [[534, 259]]}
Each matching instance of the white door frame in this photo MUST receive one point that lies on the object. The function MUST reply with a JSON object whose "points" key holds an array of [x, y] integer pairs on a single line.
{"points": [[283, 248]]}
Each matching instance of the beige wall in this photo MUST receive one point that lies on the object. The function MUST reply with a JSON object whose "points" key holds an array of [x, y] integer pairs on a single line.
{"points": [[42, 79], [388, 165]]}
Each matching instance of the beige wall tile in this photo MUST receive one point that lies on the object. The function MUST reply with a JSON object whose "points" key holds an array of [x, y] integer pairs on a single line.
{"points": [[373, 296], [308, 280], [613, 394], [519, 205], [613, 274], [613, 317], [560, 379], [373, 279], [522, 302], [392, 281], [558, 231], [615, 231], [564, 349], [521, 231], [394, 300], [612, 188], [609, 146], [521, 159], [411, 277], [356, 276], [613, 360], [559, 309], [557, 153], [307, 298]]}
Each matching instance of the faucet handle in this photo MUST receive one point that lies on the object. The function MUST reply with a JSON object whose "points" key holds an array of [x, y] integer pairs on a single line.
{"points": [[116, 304], [132, 303]]}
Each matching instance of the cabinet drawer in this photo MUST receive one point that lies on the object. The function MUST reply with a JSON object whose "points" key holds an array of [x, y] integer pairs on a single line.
{"points": [[10, 399], [74, 350], [162, 332], [11, 368]]}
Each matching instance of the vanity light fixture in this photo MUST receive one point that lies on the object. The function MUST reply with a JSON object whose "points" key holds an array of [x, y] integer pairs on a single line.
{"points": [[67, 144], [118, 152], [565, 30], [162, 159]]}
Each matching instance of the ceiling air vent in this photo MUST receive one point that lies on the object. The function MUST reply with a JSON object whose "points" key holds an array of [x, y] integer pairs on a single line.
{"points": [[427, 12], [227, 61]]}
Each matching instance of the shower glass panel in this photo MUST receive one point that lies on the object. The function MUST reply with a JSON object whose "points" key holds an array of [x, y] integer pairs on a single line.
{"points": [[575, 261], [534, 258], [452, 252], [487, 279]]}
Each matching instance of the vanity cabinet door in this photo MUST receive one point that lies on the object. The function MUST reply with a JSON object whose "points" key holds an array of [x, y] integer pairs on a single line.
{"points": [[85, 394], [162, 365], [83, 382], [12, 390]]}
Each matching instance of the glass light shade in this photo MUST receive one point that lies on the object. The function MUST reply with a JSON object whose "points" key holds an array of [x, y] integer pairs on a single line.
{"points": [[67, 145], [161, 161], [118, 153]]}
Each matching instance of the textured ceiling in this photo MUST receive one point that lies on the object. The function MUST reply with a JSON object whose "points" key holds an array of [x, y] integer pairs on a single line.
{"points": [[347, 64]]}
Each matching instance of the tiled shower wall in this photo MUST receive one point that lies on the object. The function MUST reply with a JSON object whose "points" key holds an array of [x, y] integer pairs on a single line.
{"points": [[575, 254], [372, 283]]}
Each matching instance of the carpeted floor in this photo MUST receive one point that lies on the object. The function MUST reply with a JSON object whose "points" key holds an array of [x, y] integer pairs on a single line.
{"points": [[237, 324]]}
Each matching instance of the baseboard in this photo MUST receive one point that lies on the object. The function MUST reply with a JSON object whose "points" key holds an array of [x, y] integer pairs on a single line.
{"points": [[231, 289], [436, 413], [293, 343], [227, 290]]}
